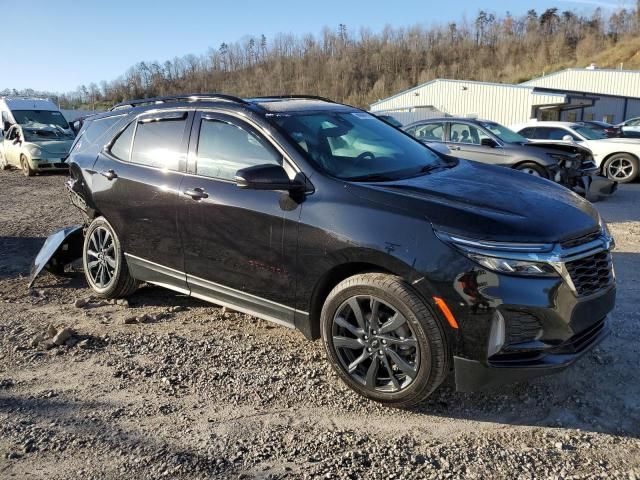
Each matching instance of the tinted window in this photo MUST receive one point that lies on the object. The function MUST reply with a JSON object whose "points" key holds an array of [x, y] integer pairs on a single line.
{"points": [[98, 127], [122, 146], [428, 132], [528, 132], [225, 148], [158, 142], [463, 133], [552, 133]]}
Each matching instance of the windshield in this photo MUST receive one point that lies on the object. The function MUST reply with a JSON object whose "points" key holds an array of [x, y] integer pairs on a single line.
{"points": [[43, 117], [44, 134], [589, 133], [357, 146], [503, 133]]}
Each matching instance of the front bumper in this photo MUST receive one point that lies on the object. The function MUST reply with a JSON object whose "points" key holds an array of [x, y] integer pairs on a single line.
{"points": [[48, 164], [473, 375]]}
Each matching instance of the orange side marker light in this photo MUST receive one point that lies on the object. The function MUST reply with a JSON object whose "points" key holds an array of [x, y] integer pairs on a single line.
{"points": [[446, 312]]}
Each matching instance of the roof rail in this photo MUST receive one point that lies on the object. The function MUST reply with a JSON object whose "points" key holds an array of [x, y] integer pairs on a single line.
{"points": [[192, 97], [293, 97]]}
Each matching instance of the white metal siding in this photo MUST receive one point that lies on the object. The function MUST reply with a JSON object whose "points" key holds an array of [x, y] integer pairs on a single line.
{"points": [[623, 83], [506, 104]]}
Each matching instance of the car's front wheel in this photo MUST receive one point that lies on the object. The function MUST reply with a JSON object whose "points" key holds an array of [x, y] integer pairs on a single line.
{"points": [[383, 340], [621, 167], [105, 267], [26, 167], [532, 169]]}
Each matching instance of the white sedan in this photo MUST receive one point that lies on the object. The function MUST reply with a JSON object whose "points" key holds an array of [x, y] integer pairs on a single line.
{"points": [[630, 127], [618, 158]]}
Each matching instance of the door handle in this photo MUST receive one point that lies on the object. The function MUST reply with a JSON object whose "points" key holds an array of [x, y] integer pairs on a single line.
{"points": [[196, 193], [109, 174], [455, 148]]}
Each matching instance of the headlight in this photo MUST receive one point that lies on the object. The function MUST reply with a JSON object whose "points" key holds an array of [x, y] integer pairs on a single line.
{"points": [[514, 267], [34, 151], [504, 257]]}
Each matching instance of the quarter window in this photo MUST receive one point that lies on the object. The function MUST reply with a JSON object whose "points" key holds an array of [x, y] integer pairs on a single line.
{"points": [[121, 148], [225, 148], [158, 142]]}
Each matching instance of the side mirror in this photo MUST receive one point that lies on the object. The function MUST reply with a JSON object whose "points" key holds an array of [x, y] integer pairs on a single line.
{"points": [[488, 142], [267, 177], [567, 138]]}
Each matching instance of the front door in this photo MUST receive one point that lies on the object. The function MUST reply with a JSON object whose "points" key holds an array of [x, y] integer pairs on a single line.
{"points": [[465, 141], [239, 244], [12, 145], [135, 183]]}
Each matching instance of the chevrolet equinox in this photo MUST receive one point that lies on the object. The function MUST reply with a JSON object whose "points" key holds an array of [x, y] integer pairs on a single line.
{"points": [[408, 263]]}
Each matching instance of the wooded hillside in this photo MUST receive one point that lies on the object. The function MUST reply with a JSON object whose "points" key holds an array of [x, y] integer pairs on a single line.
{"points": [[359, 67]]}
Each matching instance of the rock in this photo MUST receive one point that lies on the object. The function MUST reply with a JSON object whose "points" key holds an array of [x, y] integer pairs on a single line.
{"points": [[82, 302], [84, 344], [62, 336], [130, 320], [13, 455], [559, 445], [35, 341], [176, 309], [51, 331], [146, 318], [123, 302]]}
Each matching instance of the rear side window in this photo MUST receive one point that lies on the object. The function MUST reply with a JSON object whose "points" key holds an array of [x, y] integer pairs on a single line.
{"points": [[98, 128], [121, 148], [158, 142], [528, 132], [550, 133], [430, 131], [225, 148]]}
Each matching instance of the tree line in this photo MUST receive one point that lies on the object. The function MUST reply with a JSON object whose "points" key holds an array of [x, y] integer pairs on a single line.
{"points": [[359, 67]]}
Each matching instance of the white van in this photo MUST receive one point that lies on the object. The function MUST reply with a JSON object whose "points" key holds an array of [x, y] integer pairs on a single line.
{"points": [[35, 135]]}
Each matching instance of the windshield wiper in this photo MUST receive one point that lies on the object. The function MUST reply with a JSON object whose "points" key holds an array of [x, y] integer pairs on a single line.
{"points": [[371, 178]]}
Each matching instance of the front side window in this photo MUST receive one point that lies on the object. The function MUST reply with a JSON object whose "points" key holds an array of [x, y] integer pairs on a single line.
{"points": [[356, 146], [464, 133], [158, 142], [553, 133], [224, 148], [589, 133], [503, 133], [430, 132]]}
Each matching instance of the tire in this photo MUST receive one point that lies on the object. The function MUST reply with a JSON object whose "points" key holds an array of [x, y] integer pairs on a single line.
{"points": [[101, 244], [417, 346], [26, 168], [4, 165], [621, 167], [532, 168]]}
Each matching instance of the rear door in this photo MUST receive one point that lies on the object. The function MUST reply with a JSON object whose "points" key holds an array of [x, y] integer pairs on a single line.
{"points": [[465, 142], [240, 245], [136, 181]]}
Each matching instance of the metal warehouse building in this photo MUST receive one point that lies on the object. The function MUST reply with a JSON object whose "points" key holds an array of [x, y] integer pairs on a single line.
{"points": [[573, 95]]}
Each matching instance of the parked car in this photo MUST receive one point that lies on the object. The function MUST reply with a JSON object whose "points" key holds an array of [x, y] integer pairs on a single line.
{"points": [[36, 148], [35, 135], [489, 142], [630, 128], [604, 127], [390, 120], [321, 217], [616, 157]]}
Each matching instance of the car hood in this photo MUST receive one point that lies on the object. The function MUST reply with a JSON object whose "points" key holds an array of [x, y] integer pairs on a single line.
{"points": [[560, 147], [486, 202], [54, 147]]}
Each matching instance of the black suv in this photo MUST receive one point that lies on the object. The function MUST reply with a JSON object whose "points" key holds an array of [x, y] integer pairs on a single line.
{"points": [[321, 217]]}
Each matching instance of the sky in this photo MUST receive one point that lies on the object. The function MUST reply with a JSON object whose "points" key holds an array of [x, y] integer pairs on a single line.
{"points": [[59, 45]]}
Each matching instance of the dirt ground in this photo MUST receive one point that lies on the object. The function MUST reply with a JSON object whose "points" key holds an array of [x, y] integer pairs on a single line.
{"points": [[171, 387]]}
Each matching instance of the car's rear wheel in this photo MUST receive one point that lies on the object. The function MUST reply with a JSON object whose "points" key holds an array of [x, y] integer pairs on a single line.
{"points": [[532, 169], [622, 167], [383, 339], [26, 168], [105, 267]]}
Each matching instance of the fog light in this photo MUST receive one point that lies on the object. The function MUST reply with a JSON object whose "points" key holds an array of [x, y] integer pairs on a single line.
{"points": [[496, 336]]}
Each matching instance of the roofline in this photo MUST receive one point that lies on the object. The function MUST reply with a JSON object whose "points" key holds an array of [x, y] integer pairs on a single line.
{"points": [[578, 69], [475, 82]]}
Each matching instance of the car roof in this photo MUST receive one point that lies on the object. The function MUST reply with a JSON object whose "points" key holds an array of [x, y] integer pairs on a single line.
{"points": [[451, 119]]}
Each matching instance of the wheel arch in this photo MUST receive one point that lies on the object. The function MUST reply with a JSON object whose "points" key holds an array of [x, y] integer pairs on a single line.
{"points": [[606, 159]]}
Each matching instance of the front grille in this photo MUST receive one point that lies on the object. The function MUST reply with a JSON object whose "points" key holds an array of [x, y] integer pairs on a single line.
{"points": [[591, 274], [574, 242]]}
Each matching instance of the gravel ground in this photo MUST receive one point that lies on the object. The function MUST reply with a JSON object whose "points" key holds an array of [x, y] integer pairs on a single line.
{"points": [[166, 386]]}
